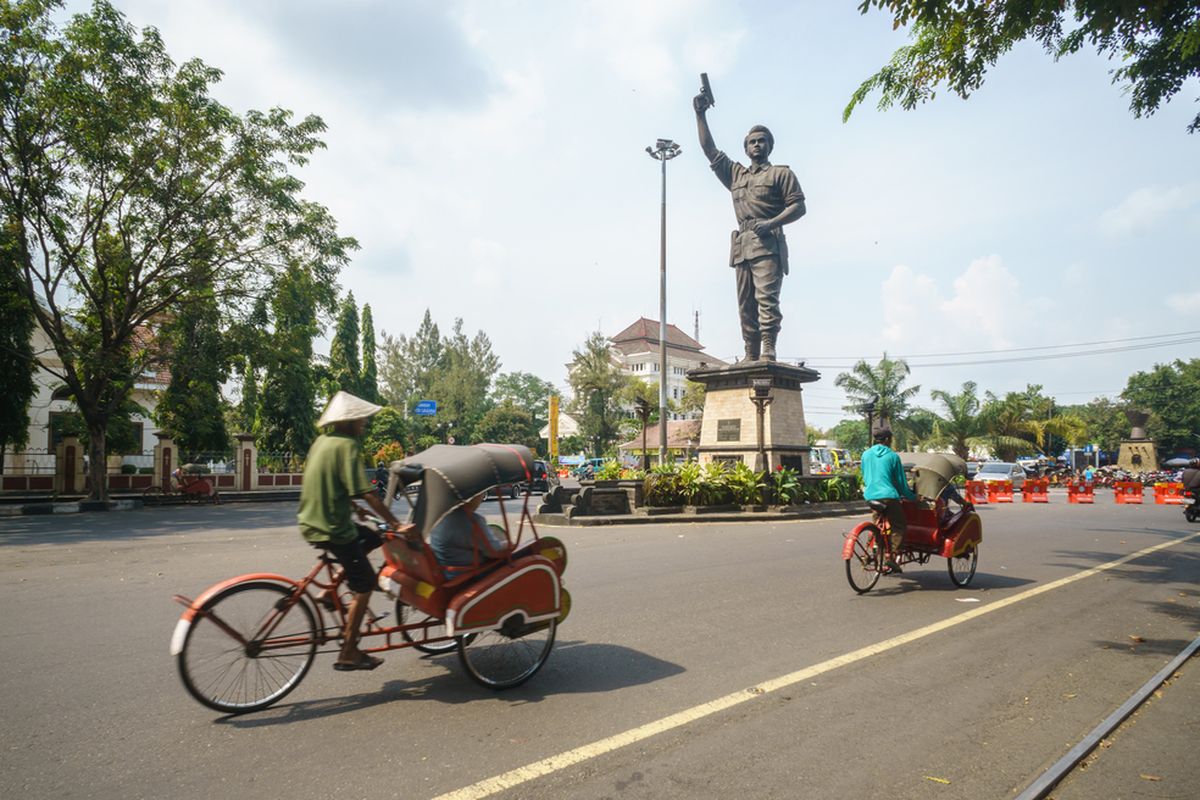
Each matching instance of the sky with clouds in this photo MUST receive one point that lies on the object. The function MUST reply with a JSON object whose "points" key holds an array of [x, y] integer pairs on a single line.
{"points": [[489, 156]]}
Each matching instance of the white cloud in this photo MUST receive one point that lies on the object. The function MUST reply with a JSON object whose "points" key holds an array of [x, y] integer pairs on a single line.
{"points": [[1146, 208], [984, 307], [1184, 302]]}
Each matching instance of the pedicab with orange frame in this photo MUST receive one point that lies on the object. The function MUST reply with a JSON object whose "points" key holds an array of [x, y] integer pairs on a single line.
{"points": [[932, 530], [245, 643]]}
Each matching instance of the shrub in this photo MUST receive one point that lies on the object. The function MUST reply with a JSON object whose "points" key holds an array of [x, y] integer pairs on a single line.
{"points": [[392, 451], [746, 485], [129, 469], [661, 487], [786, 486], [609, 471]]}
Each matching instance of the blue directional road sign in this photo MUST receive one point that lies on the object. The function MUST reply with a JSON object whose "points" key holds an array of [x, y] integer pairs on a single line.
{"points": [[426, 408]]}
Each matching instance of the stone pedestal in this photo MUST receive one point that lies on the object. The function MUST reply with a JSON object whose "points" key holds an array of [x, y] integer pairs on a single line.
{"points": [[1137, 455], [247, 463], [165, 458], [729, 430], [68, 466]]}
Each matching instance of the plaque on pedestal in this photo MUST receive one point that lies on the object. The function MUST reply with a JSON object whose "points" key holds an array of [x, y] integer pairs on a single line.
{"points": [[730, 429], [1138, 453]]}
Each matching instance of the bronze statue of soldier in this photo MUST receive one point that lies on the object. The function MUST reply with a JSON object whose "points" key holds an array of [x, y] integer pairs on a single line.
{"points": [[766, 197]]}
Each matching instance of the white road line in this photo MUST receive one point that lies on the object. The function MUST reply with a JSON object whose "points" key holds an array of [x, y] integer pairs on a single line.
{"points": [[546, 766]]}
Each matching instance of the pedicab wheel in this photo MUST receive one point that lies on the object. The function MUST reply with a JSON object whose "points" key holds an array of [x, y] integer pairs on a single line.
{"points": [[962, 568], [504, 658], [152, 494], [406, 614], [865, 563], [228, 676]]}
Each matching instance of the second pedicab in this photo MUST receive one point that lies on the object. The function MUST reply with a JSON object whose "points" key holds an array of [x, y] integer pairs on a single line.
{"points": [[932, 529]]}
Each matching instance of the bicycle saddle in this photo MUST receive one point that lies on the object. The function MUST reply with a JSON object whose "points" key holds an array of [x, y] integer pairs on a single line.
{"points": [[877, 505]]}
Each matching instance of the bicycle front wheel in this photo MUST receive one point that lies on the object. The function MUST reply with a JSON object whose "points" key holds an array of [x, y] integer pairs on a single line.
{"points": [[247, 648], [865, 563], [504, 658]]}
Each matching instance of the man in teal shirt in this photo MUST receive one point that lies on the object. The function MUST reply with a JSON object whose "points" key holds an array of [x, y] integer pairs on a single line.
{"points": [[334, 476], [883, 480]]}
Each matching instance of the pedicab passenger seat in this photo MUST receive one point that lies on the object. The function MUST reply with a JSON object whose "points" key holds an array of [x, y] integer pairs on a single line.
{"points": [[922, 525]]}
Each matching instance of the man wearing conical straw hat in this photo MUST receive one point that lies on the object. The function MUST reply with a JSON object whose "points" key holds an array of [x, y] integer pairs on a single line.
{"points": [[334, 476]]}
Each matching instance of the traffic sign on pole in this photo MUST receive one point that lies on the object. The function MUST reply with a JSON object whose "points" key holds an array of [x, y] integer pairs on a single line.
{"points": [[426, 408]]}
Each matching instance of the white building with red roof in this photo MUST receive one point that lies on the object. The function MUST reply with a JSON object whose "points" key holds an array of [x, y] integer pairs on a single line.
{"points": [[636, 349]]}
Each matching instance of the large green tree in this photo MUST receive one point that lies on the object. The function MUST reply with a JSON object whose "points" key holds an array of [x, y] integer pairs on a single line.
{"points": [[17, 360], [596, 381], [955, 43], [287, 412], [409, 364], [1171, 392], [345, 368], [527, 391], [508, 423], [1104, 422], [129, 191], [462, 384], [192, 408], [368, 382], [882, 383]]}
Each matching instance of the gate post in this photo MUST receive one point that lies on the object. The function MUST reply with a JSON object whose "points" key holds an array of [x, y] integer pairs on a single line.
{"points": [[68, 466], [247, 463], [164, 461]]}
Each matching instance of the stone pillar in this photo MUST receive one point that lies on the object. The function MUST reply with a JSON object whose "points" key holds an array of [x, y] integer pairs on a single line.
{"points": [[247, 463], [68, 466], [164, 461]]}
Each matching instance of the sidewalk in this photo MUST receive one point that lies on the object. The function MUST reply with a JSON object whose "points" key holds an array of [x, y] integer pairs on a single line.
{"points": [[18, 506], [1152, 754]]}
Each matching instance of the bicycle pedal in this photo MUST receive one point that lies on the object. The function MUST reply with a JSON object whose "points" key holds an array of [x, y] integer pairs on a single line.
{"points": [[376, 618]]}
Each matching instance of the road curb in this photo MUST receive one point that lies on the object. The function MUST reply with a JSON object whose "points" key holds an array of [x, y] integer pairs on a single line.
{"points": [[819, 511]]}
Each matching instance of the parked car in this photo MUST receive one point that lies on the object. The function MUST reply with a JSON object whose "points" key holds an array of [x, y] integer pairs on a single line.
{"points": [[972, 469], [1002, 471], [542, 479]]}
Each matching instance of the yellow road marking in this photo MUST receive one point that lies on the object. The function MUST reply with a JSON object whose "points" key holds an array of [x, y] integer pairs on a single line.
{"points": [[546, 766]]}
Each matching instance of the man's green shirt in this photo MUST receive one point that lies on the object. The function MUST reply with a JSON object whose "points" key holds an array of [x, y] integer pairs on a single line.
{"points": [[333, 473]]}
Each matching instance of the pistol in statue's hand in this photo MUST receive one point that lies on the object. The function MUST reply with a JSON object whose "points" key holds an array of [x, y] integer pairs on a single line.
{"points": [[700, 103]]}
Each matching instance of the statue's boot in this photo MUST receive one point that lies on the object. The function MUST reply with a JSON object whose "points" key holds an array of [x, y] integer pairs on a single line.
{"points": [[768, 347], [751, 352]]}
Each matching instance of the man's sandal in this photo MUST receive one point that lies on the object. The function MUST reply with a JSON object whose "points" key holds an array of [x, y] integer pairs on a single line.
{"points": [[365, 663]]}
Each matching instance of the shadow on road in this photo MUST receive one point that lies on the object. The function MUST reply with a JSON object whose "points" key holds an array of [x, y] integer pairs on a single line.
{"points": [[573, 668], [1180, 564], [939, 581], [1182, 608]]}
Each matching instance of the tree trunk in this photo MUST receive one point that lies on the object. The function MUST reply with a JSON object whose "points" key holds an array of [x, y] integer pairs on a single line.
{"points": [[97, 462]]}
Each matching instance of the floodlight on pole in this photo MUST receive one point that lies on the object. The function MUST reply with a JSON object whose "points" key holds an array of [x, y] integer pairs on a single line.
{"points": [[663, 151]]}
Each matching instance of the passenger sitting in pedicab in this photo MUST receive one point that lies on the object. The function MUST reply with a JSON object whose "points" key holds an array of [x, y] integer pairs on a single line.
{"points": [[933, 480], [463, 535]]}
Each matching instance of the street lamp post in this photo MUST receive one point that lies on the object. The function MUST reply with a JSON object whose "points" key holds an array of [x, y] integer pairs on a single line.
{"points": [[760, 395], [869, 410], [663, 151]]}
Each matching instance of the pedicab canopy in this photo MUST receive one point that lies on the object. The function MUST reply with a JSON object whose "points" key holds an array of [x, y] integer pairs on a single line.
{"points": [[451, 475], [932, 472]]}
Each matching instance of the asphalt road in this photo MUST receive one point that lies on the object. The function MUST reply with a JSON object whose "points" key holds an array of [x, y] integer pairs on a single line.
{"points": [[917, 689]]}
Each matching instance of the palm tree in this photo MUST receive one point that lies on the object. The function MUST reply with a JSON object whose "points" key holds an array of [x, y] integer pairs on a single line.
{"points": [[960, 429], [884, 382]]}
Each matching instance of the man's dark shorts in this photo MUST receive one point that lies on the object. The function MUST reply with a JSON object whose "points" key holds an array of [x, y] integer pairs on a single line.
{"points": [[352, 555]]}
